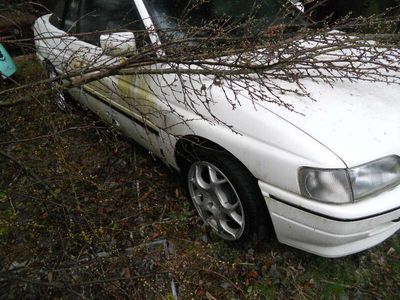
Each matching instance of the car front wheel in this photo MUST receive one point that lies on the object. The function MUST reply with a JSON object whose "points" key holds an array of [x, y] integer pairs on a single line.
{"points": [[227, 198], [62, 98]]}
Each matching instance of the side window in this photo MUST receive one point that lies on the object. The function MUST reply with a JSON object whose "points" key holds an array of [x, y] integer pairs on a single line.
{"points": [[58, 13], [65, 15], [71, 16], [104, 15]]}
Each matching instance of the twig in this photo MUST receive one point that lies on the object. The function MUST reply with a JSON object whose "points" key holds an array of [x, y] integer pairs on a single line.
{"points": [[12, 206], [57, 285], [352, 287], [145, 195], [224, 278], [61, 285], [51, 135], [14, 101], [28, 171]]}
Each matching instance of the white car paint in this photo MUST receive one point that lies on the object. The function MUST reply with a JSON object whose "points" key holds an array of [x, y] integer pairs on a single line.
{"points": [[350, 124], [359, 120]]}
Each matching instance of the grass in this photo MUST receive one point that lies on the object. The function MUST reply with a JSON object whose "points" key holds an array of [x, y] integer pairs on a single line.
{"points": [[90, 237]]}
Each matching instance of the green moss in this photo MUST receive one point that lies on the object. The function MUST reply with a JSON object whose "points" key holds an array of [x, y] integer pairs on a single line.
{"points": [[28, 69], [332, 291]]}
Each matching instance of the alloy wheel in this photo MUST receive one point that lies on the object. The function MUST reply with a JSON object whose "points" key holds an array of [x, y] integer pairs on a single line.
{"points": [[216, 200], [60, 97]]}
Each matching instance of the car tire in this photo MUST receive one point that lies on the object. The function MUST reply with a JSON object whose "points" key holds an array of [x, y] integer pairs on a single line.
{"points": [[62, 99], [227, 197]]}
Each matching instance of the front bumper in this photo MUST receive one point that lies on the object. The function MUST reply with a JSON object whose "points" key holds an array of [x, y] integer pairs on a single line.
{"points": [[332, 230]]}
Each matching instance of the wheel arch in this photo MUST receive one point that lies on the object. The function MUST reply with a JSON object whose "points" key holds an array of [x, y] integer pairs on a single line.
{"points": [[186, 145], [185, 149]]}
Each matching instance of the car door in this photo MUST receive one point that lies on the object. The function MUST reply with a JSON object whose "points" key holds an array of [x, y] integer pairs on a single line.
{"points": [[58, 45], [118, 100], [133, 106]]}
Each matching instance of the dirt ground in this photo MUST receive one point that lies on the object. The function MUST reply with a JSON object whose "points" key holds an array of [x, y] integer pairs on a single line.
{"points": [[85, 213]]}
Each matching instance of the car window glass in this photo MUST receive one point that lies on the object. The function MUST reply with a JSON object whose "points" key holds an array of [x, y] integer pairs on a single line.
{"points": [[198, 18], [105, 15], [337, 9], [71, 16], [58, 13]]}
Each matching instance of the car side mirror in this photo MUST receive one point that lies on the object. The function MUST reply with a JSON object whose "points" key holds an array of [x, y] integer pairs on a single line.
{"points": [[118, 43]]}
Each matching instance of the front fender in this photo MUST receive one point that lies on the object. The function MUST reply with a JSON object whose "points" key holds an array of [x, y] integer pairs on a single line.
{"points": [[271, 148]]}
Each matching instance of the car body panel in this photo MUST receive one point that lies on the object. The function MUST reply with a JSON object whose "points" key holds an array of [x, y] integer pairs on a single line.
{"points": [[329, 238], [266, 144], [112, 98], [359, 120], [332, 230], [388, 201]]}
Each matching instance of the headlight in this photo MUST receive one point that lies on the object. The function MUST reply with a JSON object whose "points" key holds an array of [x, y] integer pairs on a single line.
{"points": [[326, 185], [348, 185], [375, 176]]}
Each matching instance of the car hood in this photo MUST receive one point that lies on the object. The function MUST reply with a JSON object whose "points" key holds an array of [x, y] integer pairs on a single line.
{"points": [[358, 120]]}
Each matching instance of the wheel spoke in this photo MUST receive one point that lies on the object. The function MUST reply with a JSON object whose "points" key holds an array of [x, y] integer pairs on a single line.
{"points": [[228, 205], [231, 231], [221, 225], [205, 206], [198, 179], [231, 207], [214, 177], [197, 198], [214, 224], [237, 218]]}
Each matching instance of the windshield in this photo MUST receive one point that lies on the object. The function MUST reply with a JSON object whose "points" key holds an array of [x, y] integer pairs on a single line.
{"points": [[197, 17], [336, 9], [194, 18]]}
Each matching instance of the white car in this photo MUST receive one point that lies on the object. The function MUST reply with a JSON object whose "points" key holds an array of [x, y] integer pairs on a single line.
{"points": [[324, 179]]}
